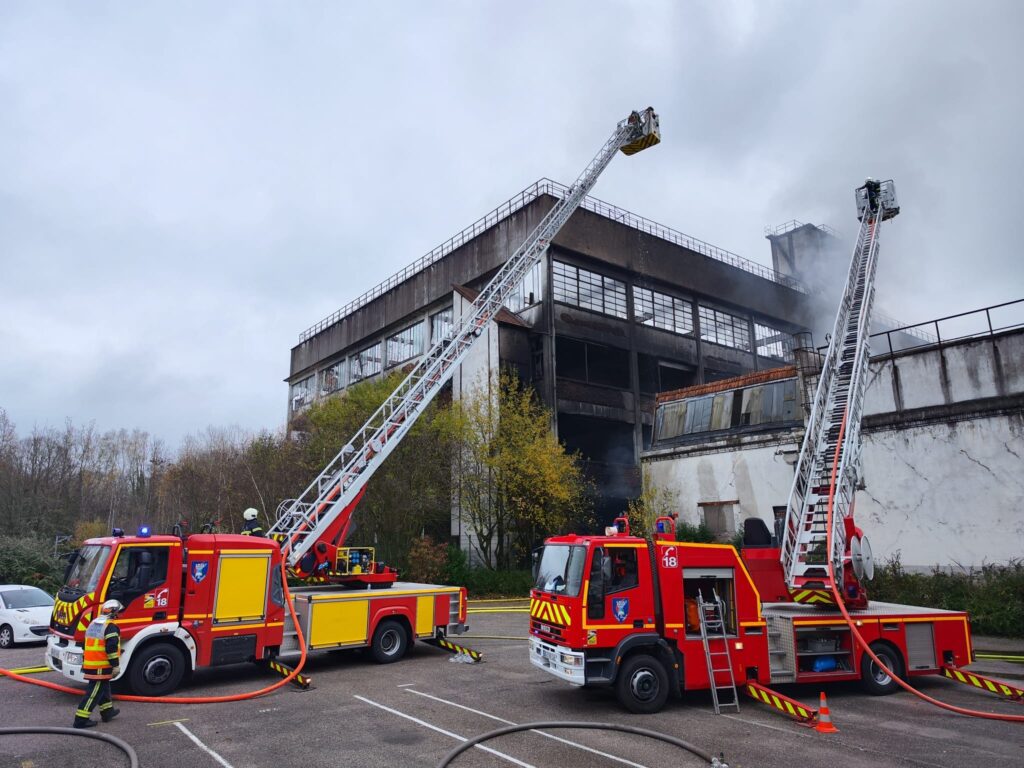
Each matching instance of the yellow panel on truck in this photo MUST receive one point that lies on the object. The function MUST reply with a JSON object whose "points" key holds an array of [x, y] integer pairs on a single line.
{"points": [[338, 622], [241, 586]]}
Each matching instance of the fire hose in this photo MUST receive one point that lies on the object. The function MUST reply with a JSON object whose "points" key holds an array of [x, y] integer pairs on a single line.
{"points": [[856, 632], [193, 699]]}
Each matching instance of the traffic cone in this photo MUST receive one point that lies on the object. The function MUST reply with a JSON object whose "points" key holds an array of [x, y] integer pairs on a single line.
{"points": [[824, 724]]}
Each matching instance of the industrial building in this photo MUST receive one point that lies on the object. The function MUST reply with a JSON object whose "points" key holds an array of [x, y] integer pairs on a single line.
{"points": [[942, 433], [620, 309]]}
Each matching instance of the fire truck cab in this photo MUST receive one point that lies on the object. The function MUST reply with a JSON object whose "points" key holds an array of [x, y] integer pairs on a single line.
{"points": [[621, 610]]}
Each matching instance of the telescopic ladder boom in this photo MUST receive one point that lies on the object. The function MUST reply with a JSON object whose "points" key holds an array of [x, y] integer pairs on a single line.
{"points": [[840, 393], [321, 513]]}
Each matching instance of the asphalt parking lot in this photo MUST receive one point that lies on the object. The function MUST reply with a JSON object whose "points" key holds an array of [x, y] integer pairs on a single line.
{"points": [[412, 713]]}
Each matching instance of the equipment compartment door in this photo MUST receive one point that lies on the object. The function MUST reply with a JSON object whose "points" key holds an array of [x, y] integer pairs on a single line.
{"points": [[241, 588]]}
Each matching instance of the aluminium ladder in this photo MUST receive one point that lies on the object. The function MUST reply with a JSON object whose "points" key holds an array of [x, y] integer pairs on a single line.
{"points": [[302, 522], [713, 630], [839, 395]]}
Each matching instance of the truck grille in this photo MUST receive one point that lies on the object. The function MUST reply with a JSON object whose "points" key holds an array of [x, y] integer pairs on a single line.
{"points": [[546, 631]]}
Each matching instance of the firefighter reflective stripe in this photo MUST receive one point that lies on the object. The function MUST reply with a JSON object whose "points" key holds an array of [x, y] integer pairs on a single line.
{"points": [[95, 645], [448, 645], [811, 596], [784, 704], [978, 681], [553, 613]]}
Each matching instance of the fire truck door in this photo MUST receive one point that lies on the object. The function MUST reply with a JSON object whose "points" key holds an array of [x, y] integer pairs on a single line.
{"points": [[617, 598], [142, 580]]}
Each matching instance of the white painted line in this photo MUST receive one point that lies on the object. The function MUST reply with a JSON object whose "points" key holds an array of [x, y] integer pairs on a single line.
{"points": [[202, 746], [455, 736], [406, 685], [584, 747]]}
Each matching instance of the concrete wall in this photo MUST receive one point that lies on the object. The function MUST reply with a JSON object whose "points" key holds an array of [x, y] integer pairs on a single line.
{"points": [[943, 458]]}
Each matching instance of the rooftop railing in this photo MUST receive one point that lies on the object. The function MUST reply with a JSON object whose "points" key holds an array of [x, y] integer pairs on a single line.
{"points": [[975, 324], [520, 201], [792, 224]]}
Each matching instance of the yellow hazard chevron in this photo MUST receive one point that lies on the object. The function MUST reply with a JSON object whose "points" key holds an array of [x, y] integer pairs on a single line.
{"points": [[448, 645], [64, 612], [643, 143], [284, 670], [978, 681], [782, 703], [552, 613], [811, 596]]}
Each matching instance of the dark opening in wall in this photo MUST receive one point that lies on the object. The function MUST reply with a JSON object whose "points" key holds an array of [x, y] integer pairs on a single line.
{"points": [[592, 363], [609, 460]]}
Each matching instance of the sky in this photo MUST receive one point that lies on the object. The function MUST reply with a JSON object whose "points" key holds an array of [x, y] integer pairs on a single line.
{"points": [[185, 187]]}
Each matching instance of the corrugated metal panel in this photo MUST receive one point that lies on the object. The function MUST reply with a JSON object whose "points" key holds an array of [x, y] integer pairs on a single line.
{"points": [[921, 645]]}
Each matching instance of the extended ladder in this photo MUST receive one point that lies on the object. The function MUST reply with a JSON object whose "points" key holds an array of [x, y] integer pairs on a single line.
{"points": [[839, 395], [713, 630], [316, 514]]}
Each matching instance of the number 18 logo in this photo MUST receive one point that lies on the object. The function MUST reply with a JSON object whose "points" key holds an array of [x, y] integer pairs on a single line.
{"points": [[669, 559]]}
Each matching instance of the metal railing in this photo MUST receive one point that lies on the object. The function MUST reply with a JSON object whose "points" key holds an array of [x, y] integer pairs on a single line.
{"points": [[518, 202], [792, 224], [977, 323]]}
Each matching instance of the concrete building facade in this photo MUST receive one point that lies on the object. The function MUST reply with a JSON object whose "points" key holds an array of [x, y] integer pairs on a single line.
{"points": [[943, 459], [620, 309]]}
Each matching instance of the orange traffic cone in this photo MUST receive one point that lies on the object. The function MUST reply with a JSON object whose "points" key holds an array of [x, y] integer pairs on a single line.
{"points": [[824, 723]]}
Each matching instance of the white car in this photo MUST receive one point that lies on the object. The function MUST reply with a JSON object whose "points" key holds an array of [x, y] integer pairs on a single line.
{"points": [[24, 614]]}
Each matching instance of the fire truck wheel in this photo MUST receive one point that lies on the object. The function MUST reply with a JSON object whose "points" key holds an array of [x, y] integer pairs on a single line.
{"points": [[389, 642], [642, 684], [872, 678], [156, 670]]}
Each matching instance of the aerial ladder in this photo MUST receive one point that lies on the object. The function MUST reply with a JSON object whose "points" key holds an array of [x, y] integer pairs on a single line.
{"points": [[833, 434], [312, 528]]}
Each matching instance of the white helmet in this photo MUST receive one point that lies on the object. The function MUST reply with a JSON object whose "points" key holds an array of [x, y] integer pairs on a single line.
{"points": [[111, 608], [250, 514]]}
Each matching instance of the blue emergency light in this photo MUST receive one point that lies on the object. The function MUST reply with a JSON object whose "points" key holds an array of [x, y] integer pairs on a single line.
{"points": [[144, 531]]}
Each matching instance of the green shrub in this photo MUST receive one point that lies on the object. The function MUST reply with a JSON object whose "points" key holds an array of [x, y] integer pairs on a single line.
{"points": [[698, 534], [428, 561], [993, 595], [456, 567], [486, 582], [27, 560]]}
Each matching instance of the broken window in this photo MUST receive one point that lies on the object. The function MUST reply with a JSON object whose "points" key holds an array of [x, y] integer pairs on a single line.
{"points": [[364, 364], [441, 325], [589, 290], [302, 393], [659, 310], [405, 345], [772, 342], [332, 379], [724, 328]]}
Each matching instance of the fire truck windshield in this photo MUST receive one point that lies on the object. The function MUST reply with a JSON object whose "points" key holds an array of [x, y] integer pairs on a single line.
{"points": [[561, 570], [84, 573]]}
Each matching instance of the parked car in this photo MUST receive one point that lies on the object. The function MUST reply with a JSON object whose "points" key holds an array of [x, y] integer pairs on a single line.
{"points": [[24, 614]]}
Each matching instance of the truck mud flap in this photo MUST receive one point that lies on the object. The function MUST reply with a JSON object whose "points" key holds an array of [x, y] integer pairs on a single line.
{"points": [[448, 645], [984, 683], [299, 681], [787, 706]]}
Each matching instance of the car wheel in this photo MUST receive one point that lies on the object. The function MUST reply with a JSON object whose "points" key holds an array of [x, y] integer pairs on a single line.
{"points": [[642, 684], [873, 678], [6, 636], [390, 642], [157, 669]]}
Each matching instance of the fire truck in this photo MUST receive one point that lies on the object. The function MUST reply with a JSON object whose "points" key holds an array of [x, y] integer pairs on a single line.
{"points": [[653, 616], [211, 599]]}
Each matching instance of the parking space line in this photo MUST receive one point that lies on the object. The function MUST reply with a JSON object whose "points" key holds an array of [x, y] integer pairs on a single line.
{"points": [[170, 722], [202, 746], [456, 736], [575, 744]]}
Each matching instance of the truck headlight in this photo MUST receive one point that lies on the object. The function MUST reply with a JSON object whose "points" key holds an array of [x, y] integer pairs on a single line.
{"points": [[570, 661], [73, 658]]}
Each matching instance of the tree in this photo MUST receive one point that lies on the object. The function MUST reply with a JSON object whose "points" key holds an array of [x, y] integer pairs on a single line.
{"points": [[515, 482], [652, 503]]}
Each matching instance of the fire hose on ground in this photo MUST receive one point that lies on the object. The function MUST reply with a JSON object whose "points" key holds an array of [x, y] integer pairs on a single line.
{"points": [[856, 632]]}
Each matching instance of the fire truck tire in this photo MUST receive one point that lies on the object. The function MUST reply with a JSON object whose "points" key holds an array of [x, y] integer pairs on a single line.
{"points": [[872, 678], [157, 669], [390, 642], [642, 684]]}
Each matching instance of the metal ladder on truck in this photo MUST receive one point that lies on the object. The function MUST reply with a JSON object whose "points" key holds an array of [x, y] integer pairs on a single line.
{"points": [[839, 396], [713, 630], [322, 513]]}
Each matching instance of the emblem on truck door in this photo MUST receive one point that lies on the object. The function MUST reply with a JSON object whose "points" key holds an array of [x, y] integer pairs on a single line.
{"points": [[620, 607], [199, 570]]}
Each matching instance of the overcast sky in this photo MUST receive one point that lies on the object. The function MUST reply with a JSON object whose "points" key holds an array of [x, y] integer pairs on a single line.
{"points": [[185, 187]]}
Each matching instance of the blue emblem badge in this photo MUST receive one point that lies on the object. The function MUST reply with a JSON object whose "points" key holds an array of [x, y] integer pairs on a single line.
{"points": [[199, 570], [620, 607]]}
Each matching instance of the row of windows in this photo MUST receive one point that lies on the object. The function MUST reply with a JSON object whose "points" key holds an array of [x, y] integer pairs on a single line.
{"points": [[772, 403], [402, 346], [598, 293]]}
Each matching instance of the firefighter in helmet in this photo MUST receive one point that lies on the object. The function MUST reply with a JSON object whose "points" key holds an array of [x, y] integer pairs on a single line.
{"points": [[252, 526], [100, 665]]}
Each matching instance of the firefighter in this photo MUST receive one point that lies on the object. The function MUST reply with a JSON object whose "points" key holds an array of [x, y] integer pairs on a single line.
{"points": [[100, 665], [252, 526]]}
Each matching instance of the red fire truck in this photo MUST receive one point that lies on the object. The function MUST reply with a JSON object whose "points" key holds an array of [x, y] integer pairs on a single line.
{"points": [[213, 599], [660, 616], [624, 611]]}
